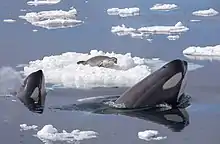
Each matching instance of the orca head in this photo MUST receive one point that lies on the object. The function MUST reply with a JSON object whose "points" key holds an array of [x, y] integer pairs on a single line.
{"points": [[33, 92], [177, 80], [164, 85]]}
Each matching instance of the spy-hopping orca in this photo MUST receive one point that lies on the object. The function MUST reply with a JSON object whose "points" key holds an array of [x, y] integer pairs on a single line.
{"points": [[165, 85], [33, 92]]}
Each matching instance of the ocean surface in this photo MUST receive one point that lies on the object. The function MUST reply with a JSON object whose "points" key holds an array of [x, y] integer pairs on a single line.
{"points": [[20, 45]]}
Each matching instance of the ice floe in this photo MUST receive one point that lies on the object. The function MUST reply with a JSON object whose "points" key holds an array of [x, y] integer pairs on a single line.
{"points": [[149, 135], [26, 127], [124, 12], [202, 51], [53, 19], [164, 7], [62, 70], [144, 32], [173, 37], [34, 30], [9, 20], [195, 20], [208, 12], [43, 2], [49, 134]]}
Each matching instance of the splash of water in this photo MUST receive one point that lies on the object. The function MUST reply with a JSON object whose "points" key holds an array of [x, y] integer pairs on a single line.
{"points": [[10, 81]]}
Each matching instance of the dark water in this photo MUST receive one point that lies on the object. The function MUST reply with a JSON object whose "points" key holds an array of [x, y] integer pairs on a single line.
{"points": [[20, 45]]}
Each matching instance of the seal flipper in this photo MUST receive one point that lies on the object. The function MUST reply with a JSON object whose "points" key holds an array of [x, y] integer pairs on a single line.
{"points": [[81, 62]]}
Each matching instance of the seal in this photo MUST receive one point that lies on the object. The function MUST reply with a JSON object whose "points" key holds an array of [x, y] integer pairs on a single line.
{"points": [[100, 61]]}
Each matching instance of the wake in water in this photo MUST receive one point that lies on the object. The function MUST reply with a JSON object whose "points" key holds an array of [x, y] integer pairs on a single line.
{"points": [[10, 81]]}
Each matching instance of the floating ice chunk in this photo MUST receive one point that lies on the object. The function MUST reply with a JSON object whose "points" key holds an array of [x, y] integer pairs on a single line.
{"points": [[9, 20], [57, 23], [34, 30], [208, 12], [173, 37], [43, 2], [122, 29], [209, 58], [149, 135], [195, 20], [63, 70], [164, 7], [53, 14], [26, 127], [178, 28], [146, 31], [53, 19], [50, 134], [124, 12], [203, 51]]}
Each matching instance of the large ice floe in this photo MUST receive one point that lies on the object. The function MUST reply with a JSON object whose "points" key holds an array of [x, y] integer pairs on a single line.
{"points": [[149, 135], [164, 7], [208, 12], [203, 53], [124, 12], [63, 71], [53, 19], [43, 2], [49, 134], [144, 32]]}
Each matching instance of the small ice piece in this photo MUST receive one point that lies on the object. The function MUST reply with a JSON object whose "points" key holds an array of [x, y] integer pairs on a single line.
{"points": [[34, 30], [208, 12], [149, 135], [177, 28], [164, 7], [202, 51], [173, 37], [9, 20], [26, 127], [195, 20], [50, 134], [43, 2], [124, 12]]}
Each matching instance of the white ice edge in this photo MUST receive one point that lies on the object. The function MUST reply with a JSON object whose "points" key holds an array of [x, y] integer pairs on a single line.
{"points": [[202, 51], [50, 134], [53, 19], [124, 12], [9, 20], [62, 70], [149, 135], [206, 12], [146, 31], [43, 2], [164, 7]]}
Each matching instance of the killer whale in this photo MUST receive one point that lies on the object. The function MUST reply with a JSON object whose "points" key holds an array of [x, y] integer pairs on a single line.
{"points": [[165, 85], [33, 92]]}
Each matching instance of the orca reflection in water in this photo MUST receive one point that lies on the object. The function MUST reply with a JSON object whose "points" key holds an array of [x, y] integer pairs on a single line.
{"points": [[175, 119], [33, 92]]}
